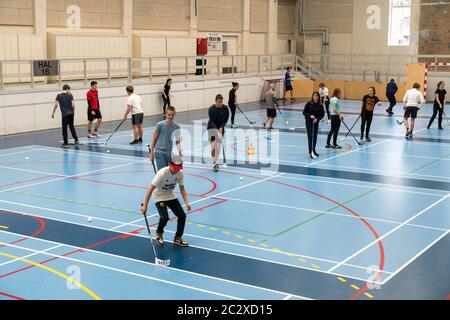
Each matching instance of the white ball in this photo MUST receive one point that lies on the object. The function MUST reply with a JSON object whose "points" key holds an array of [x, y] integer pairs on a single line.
{"points": [[242, 178], [107, 151], [26, 158], [89, 219]]}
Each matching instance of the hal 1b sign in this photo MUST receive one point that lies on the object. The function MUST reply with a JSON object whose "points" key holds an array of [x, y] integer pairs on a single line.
{"points": [[45, 68]]}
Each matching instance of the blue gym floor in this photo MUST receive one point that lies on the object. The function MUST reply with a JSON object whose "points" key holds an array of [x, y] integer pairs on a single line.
{"points": [[365, 222]]}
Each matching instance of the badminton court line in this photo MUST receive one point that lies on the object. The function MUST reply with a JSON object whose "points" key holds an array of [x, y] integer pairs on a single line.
{"points": [[415, 257], [147, 263], [387, 234], [216, 250]]}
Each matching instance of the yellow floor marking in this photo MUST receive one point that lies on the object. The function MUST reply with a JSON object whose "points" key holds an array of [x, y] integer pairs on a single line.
{"points": [[226, 232], [238, 236], [62, 275], [276, 250], [264, 245], [315, 266], [355, 287], [342, 279], [302, 260], [251, 240], [200, 226], [213, 229], [4, 227], [368, 295]]}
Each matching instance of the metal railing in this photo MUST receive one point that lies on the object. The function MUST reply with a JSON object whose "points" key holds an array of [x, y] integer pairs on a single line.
{"points": [[367, 66], [131, 69]]}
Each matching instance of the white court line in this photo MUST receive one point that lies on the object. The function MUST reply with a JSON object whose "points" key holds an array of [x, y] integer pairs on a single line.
{"points": [[328, 213], [287, 297], [121, 271], [415, 257], [395, 174], [32, 171], [73, 176], [387, 234], [403, 155], [18, 152], [216, 250], [29, 256], [148, 263]]}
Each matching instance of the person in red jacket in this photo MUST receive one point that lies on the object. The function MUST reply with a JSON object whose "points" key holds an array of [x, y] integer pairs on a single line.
{"points": [[93, 111]]}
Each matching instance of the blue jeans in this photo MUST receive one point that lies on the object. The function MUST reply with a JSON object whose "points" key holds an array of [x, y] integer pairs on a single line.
{"points": [[162, 160]]}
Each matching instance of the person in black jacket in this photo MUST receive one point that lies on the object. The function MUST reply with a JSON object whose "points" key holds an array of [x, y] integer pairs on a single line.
{"points": [[313, 113], [218, 117], [166, 96], [391, 89], [438, 105], [232, 102]]}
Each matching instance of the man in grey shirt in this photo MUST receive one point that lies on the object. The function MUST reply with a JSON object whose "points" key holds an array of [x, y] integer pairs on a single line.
{"points": [[162, 142]]}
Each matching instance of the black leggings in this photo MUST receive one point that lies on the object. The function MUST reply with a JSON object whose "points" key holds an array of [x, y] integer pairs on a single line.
{"points": [[166, 103], [177, 210], [309, 129], [436, 109], [327, 106], [366, 121], [392, 101], [335, 125], [233, 112], [68, 121]]}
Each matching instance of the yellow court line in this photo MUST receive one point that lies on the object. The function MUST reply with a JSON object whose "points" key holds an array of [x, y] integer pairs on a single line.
{"points": [[4, 227], [62, 275], [355, 287], [368, 295], [342, 279]]}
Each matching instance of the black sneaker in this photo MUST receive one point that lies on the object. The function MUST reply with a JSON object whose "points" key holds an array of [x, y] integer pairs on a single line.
{"points": [[428, 127], [216, 167], [336, 146], [361, 138], [329, 146], [159, 239], [367, 139], [65, 145], [140, 140], [440, 128], [316, 153], [179, 241], [77, 142], [134, 142]]}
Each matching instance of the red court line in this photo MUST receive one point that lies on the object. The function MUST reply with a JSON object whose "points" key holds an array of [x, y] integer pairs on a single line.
{"points": [[120, 236], [11, 296], [374, 232], [64, 162], [28, 180], [214, 185]]}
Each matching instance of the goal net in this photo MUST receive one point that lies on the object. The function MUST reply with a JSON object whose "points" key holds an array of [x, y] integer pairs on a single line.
{"points": [[279, 88]]}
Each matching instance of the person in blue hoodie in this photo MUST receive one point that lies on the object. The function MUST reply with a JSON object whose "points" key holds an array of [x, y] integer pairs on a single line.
{"points": [[391, 89]]}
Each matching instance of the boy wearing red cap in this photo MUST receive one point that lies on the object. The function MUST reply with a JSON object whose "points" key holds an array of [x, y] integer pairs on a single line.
{"points": [[162, 188]]}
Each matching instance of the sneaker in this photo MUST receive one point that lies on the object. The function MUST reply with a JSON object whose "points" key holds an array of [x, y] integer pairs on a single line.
{"points": [[313, 156], [65, 145], [179, 241], [159, 239], [77, 142], [216, 167], [440, 128], [367, 139], [329, 146], [428, 127], [90, 135], [328, 121], [264, 125], [361, 138], [316, 153], [96, 135], [134, 142], [233, 126], [140, 140], [336, 146]]}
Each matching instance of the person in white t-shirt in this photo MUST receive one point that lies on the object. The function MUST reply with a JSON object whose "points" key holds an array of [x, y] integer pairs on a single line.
{"points": [[323, 92], [162, 188], [412, 101], [134, 105]]}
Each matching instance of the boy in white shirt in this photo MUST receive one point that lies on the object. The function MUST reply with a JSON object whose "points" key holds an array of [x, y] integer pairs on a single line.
{"points": [[162, 188], [134, 105], [323, 92], [412, 101]]}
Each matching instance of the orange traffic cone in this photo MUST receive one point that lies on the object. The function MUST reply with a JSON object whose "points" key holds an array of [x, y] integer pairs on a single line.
{"points": [[251, 149]]}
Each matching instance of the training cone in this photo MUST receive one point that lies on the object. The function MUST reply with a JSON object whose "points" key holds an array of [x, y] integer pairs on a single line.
{"points": [[251, 149]]}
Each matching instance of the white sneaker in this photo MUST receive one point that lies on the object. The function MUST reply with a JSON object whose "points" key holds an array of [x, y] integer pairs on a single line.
{"points": [[328, 121], [90, 135], [313, 156]]}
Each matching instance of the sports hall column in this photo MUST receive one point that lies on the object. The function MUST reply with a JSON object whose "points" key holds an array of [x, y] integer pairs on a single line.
{"points": [[40, 22], [193, 26], [245, 27], [127, 27], [272, 26]]}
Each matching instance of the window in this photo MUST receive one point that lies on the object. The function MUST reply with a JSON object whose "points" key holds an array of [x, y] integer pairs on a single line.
{"points": [[399, 22]]}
